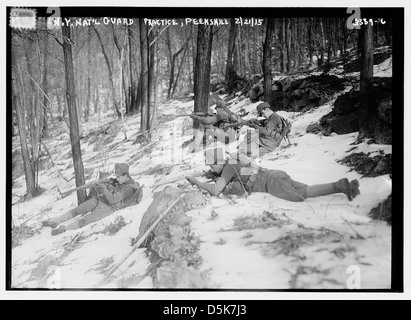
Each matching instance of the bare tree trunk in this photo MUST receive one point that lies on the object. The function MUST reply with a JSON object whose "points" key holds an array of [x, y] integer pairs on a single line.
{"points": [[65, 109], [151, 47], [110, 73], [229, 71], [193, 51], [96, 98], [370, 126], [123, 90], [330, 41], [131, 88], [143, 76], [74, 124], [288, 43], [28, 169], [156, 81], [21, 121], [59, 105], [267, 58], [172, 67], [247, 55], [179, 69], [310, 45], [322, 44], [35, 114], [88, 101], [203, 66], [170, 63], [45, 132], [283, 46]]}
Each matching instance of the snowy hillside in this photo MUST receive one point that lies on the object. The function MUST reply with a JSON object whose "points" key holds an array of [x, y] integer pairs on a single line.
{"points": [[258, 242]]}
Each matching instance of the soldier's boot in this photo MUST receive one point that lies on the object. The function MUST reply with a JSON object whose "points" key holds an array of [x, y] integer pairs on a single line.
{"points": [[341, 186], [355, 188], [72, 226], [58, 230], [53, 223]]}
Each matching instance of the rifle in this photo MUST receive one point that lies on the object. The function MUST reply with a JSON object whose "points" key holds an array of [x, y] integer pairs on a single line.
{"points": [[89, 185], [180, 177], [245, 123], [200, 114]]}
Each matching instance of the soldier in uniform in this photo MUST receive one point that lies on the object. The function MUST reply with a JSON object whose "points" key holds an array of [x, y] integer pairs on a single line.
{"points": [[275, 182], [102, 203], [270, 134], [212, 126]]}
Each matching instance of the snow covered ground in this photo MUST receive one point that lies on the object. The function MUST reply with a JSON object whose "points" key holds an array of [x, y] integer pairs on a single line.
{"points": [[321, 243]]}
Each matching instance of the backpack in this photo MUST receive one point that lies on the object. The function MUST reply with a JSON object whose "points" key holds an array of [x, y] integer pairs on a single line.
{"points": [[136, 197], [286, 127]]}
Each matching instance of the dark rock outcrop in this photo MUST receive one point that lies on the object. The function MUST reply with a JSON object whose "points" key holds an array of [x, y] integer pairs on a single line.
{"points": [[343, 118], [383, 211]]}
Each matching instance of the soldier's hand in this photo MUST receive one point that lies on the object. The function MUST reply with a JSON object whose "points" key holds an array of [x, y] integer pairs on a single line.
{"points": [[210, 175], [100, 186]]}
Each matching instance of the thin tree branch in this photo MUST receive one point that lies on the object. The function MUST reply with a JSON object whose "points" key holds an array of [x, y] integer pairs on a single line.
{"points": [[46, 98], [159, 34]]}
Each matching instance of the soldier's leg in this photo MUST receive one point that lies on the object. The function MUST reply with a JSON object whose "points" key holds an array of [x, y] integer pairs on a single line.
{"points": [[298, 185], [86, 206], [292, 190], [341, 186], [279, 184], [101, 211]]}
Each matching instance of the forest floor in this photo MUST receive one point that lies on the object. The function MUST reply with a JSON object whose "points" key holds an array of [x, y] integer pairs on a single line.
{"points": [[258, 242]]}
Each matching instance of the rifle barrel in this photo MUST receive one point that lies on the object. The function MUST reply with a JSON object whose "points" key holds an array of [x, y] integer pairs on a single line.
{"points": [[85, 186], [200, 114], [180, 177]]}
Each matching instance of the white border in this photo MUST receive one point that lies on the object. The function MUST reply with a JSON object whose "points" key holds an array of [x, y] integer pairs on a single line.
{"points": [[214, 295]]}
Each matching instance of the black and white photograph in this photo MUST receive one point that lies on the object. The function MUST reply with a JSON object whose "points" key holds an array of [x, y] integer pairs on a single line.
{"points": [[247, 149]]}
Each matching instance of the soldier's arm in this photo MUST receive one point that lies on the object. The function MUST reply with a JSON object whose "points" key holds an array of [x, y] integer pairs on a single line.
{"points": [[117, 196], [271, 126], [218, 186], [206, 120]]}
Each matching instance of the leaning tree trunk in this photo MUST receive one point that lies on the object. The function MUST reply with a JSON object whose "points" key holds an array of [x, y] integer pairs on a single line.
{"points": [[202, 69], [173, 80], [74, 123], [110, 73], [179, 70], [267, 59]]}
